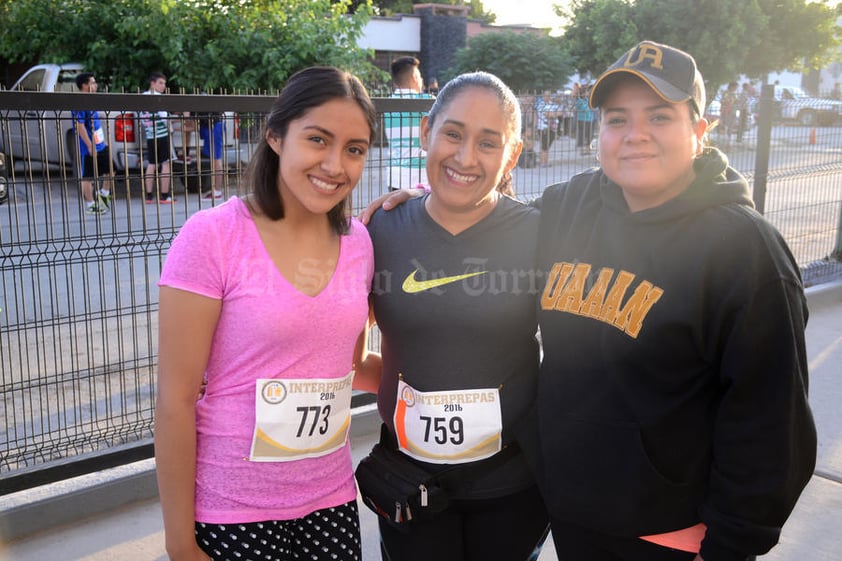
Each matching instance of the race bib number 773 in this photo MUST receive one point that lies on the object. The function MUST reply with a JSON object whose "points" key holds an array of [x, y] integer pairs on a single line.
{"points": [[300, 418]]}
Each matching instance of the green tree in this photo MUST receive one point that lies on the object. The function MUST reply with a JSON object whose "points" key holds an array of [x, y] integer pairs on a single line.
{"points": [[600, 32], [815, 40], [720, 37], [524, 61], [215, 45], [726, 37]]}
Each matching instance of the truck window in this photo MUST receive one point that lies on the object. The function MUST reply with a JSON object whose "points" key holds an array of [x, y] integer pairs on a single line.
{"points": [[32, 81], [67, 81]]}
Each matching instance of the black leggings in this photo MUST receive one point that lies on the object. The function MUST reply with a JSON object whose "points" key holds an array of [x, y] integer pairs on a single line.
{"points": [[329, 534], [505, 529]]}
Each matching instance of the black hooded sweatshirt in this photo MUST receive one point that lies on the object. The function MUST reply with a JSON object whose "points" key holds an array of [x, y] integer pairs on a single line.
{"points": [[673, 388]]}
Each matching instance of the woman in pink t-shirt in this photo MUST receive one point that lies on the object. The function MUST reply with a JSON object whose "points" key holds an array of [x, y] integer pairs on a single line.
{"points": [[265, 299]]}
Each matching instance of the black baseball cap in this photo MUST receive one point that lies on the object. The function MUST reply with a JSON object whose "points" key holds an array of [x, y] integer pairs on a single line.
{"points": [[671, 72]]}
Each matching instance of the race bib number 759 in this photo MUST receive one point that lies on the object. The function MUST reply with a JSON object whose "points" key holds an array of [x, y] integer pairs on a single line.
{"points": [[455, 427]]}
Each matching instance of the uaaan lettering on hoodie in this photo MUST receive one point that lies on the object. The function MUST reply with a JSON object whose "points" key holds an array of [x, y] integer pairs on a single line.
{"points": [[614, 299]]}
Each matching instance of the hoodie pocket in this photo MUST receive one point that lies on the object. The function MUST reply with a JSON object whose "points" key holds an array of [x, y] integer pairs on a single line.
{"points": [[598, 474]]}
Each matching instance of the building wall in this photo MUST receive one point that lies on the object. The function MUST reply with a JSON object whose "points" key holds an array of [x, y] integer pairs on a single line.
{"points": [[433, 34], [441, 37], [400, 33]]}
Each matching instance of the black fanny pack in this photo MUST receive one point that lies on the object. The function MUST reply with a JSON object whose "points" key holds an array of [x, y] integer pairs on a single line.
{"points": [[400, 490]]}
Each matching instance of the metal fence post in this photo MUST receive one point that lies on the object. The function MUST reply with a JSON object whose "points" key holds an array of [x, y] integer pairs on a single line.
{"points": [[764, 141], [836, 254]]}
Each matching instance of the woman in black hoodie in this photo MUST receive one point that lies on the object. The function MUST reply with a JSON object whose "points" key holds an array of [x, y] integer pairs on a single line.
{"points": [[672, 414]]}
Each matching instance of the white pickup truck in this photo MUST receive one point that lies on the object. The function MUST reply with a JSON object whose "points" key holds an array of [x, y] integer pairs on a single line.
{"points": [[49, 138], [794, 104]]}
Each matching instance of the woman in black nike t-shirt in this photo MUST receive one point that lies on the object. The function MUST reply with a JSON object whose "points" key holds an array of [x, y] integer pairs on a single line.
{"points": [[454, 296]]}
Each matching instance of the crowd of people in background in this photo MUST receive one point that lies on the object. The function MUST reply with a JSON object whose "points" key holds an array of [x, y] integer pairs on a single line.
{"points": [[96, 175], [551, 116], [737, 106]]}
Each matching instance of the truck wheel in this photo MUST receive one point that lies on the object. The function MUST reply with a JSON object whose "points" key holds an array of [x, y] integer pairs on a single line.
{"points": [[4, 185], [807, 117], [827, 119]]}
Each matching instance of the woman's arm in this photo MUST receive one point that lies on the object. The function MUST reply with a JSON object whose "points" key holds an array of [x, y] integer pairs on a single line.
{"points": [[389, 201], [368, 366], [186, 324]]}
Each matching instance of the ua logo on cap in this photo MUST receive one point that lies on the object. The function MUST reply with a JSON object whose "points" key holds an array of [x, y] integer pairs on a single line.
{"points": [[644, 52]]}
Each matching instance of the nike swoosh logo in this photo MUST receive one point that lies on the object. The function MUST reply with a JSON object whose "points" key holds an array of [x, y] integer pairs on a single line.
{"points": [[412, 286]]}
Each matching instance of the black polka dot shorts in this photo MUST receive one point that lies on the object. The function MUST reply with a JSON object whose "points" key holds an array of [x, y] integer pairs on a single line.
{"points": [[331, 534]]}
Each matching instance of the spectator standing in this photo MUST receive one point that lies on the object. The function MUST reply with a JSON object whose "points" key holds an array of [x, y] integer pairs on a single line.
{"points": [[749, 90], [585, 117], [265, 298], [95, 157], [433, 87], [546, 113], [745, 101], [156, 128], [407, 160], [212, 134], [729, 105]]}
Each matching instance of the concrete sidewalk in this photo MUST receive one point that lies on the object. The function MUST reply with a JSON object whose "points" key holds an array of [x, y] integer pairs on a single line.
{"points": [[127, 525]]}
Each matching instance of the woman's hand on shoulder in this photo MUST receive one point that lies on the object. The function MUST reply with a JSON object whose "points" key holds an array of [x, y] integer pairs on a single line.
{"points": [[389, 201]]}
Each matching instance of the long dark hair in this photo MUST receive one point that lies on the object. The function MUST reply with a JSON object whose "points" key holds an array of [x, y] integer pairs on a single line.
{"points": [[508, 103], [305, 90]]}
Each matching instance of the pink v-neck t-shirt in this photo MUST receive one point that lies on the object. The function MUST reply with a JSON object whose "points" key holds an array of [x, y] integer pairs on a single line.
{"points": [[266, 329]]}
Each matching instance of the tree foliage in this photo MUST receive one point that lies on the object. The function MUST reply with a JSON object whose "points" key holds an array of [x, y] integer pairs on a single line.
{"points": [[524, 61], [726, 37], [601, 32], [211, 45]]}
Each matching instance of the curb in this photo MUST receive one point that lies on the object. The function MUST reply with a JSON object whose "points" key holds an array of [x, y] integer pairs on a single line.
{"points": [[33, 510], [822, 295]]}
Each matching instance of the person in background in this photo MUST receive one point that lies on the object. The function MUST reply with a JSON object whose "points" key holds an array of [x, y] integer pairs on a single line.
{"points": [[264, 299], [433, 87], [728, 109], [546, 113], [211, 125], [745, 102], [406, 157], [672, 420], [156, 128], [212, 133], [95, 157], [454, 297], [585, 118]]}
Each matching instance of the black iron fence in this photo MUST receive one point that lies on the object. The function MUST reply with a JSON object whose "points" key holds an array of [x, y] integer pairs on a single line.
{"points": [[78, 294]]}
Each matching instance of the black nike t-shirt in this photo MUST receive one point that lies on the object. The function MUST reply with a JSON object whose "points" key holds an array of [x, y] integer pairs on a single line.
{"points": [[459, 313]]}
